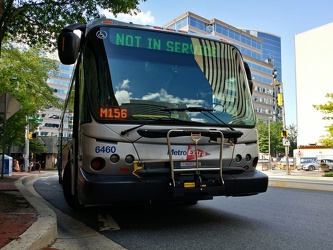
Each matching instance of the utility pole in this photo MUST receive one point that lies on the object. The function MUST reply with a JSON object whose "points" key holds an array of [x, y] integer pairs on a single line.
{"points": [[269, 143], [26, 155], [285, 140], [4, 135]]}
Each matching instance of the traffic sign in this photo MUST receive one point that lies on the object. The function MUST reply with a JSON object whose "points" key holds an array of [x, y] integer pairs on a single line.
{"points": [[285, 142], [8, 102]]}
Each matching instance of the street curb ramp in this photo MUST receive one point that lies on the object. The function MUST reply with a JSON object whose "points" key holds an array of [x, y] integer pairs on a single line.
{"points": [[41, 233]]}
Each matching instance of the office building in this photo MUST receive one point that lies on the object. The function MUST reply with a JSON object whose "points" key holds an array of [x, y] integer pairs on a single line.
{"points": [[314, 65], [59, 81]]}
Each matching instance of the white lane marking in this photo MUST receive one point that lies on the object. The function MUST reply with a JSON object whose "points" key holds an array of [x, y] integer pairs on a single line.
{"points": [[106, 222]]}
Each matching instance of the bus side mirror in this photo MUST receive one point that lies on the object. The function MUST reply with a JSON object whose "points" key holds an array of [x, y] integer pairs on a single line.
{"points": [[249, 76], [68, 47]]}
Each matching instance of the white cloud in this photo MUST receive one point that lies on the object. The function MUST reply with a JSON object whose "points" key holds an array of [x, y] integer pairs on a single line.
{"points": [[163, 96], [141, 18], [125, 84], [123, 96]]}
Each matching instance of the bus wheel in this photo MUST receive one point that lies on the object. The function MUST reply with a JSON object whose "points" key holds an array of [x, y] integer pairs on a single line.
{"points": [[191, 202], [71, 200]]}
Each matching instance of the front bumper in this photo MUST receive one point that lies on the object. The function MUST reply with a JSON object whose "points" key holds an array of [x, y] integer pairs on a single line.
{"points": [[102, 189]]}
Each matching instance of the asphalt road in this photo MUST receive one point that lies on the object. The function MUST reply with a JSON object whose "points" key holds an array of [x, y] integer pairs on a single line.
{"points": [[281, 218]]}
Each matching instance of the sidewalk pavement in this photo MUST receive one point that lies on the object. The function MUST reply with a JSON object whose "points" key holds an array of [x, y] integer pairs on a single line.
{"points": [[32, 224], [308, 180], [36, 228]]}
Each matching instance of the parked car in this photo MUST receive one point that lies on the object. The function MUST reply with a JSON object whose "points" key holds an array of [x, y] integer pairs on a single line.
{"points": [[316, 164], [306, 160]]}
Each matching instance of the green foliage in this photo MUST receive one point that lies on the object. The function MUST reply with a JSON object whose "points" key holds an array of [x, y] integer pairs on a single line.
{"points": [[39, 22], [275, 137], [23, 74], [36, 146], [263, 136], [292, 138], [327, 109], [328, 175]]}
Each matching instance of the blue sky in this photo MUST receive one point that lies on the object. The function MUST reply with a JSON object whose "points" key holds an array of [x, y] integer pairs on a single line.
{"points": [[284, 18]]}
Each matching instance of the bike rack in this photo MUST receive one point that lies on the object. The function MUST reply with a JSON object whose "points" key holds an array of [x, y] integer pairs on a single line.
{"points": [[196, 136]]}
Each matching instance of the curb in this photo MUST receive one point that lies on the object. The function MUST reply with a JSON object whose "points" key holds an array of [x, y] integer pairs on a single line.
{"points": [[307, 183], [44, 231]]}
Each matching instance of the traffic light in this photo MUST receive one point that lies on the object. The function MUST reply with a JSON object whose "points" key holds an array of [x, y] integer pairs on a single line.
{"points": [[279, 97], [32, 135], [284, 133], [274, 75]]}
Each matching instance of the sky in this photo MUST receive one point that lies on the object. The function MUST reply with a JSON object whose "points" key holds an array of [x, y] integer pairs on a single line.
{"points": [[284, 18]]}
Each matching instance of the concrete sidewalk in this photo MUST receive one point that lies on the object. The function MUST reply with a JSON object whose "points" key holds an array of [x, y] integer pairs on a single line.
{"points": [[37, 229], [29, 227], [309, 180]]}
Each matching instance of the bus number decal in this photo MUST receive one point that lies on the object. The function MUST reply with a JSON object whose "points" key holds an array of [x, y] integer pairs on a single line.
{"points": [[113, 113], [105, 149]]}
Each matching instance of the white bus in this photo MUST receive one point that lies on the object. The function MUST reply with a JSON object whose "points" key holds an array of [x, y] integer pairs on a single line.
{"points": [[155, 114]]}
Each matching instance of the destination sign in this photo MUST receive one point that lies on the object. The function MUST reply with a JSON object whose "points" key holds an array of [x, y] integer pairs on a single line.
{"points": [[163, 42], [113, 113]]}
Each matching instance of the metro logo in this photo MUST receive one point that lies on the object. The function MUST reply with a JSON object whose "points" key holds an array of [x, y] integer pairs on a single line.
{"points": [[191, 153]]}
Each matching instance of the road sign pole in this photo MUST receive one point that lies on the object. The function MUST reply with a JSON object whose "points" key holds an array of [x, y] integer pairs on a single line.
{"points": [[4, 136], [276, 83], [286, 146], [26, 156]]}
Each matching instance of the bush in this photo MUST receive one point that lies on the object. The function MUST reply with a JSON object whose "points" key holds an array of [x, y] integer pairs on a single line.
{"points": [[328, 174]]}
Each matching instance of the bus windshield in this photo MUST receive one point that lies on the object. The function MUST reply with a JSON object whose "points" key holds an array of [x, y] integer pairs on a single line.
{"points": [[132, 75]]}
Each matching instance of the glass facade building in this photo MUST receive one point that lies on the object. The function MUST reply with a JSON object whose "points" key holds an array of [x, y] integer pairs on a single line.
{"points": [[271, 53], [59, 81], [262, 51]]}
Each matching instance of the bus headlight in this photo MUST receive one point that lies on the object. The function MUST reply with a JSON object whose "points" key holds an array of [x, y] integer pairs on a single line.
{"points": [[114, 158], [97, 164], [238, 158], [129, 159]]}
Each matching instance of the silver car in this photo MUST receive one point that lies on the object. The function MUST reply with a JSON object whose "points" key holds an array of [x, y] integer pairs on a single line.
{"points": [[316, 164]]}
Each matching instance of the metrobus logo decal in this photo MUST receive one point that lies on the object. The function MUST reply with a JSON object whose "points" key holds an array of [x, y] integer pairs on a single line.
{"points": [[189, 153]]}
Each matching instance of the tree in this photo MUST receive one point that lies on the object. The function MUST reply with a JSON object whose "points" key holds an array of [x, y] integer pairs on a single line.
{"points": [[292, 130], [36, 146], [40, 21], [23, 74], [327, 109], [262, 136], [275, 137]]}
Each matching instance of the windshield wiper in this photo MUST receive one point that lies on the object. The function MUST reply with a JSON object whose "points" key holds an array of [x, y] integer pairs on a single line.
{"points": [[201, 110]]}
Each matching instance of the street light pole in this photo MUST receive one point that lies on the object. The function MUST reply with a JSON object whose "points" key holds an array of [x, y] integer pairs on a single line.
{"points": [[26, 155], [284, 130], [286, 146], [269, 143], [4, 136]]}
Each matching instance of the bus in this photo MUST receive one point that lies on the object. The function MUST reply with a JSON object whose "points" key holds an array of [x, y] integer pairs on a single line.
{"points": [[154, 114]]}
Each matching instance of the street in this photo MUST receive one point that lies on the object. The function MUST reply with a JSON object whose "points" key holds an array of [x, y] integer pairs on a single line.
{"points": [[281, 218]]}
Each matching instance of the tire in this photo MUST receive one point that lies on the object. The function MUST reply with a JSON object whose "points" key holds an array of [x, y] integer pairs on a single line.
{"points": [[72, 200], [191, 202], [311, 168]]}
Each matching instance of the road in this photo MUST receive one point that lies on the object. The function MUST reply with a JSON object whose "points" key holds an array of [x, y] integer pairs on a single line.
{"points": [[281, 218]]}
